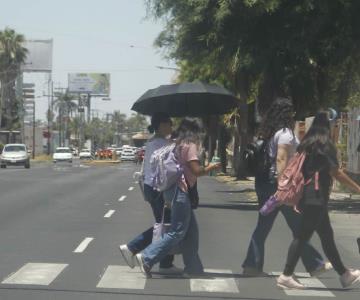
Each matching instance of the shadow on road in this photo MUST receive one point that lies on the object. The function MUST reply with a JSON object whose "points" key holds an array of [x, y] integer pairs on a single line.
{"points": [[347, 206], [246, 190]]}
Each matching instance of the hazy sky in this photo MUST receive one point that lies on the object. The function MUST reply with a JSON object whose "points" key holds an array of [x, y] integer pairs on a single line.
{"points": [[110, 36]]}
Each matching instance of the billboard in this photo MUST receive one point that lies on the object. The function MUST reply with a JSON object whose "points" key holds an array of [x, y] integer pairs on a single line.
{"points": [[39, 57], [92, 83]]}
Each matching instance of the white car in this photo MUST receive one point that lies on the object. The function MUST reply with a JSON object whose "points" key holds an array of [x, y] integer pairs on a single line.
{"points": [[85, 154], [63, 154], [127, 154], [15, 154]]}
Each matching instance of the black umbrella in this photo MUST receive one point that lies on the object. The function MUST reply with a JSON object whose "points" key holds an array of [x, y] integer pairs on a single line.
{"points": [[191, 99]]}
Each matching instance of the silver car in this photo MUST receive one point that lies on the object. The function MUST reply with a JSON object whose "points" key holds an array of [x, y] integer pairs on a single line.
{"points": [[15, 155]]}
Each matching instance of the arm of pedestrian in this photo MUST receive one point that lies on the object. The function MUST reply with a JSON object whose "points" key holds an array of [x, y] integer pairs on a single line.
{"points": [[199, 170], [282, 158], [343, 178]]}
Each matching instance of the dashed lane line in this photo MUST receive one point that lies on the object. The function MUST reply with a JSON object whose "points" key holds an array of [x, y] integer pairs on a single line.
{"points": [[109, 213], [83, 245], [122, 198]]}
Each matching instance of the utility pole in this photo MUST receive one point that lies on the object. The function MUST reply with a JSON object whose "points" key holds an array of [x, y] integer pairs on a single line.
{"points": [[33, 135], [88, 107]]}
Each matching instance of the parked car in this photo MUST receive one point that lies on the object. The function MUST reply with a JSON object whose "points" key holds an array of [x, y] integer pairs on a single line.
{"points": [[62, 154], [127, 154], [15, 155], [85, 154]]}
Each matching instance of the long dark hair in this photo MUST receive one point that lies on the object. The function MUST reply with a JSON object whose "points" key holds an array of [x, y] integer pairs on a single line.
{"points": [[280, 115], [317, 139], [189, 131]]}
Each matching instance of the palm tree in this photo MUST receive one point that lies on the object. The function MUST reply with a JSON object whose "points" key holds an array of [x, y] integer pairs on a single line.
{"points": [[66, 106], [12, 55]]}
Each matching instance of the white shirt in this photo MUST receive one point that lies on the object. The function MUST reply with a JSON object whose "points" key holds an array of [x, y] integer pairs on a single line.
{"points": [[282, 137]]}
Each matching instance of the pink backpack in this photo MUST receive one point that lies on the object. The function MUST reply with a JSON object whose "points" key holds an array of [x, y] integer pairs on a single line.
{"points": [[290, 185], [291, 181]]}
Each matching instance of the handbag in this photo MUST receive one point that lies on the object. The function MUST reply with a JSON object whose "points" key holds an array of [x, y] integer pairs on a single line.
{"points": [[158, 233]]}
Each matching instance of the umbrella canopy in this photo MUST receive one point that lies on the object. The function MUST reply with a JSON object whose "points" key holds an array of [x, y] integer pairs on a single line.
{"points": [[193, 99]]}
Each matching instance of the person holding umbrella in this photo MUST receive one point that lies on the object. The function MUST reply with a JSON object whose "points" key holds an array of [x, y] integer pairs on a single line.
{"points": [[161, 126], [184, 229]]}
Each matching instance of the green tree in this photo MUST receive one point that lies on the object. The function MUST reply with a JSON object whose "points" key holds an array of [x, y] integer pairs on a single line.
{"points": [[306, 49], [136, 122], [12, 55], [66, 105]]}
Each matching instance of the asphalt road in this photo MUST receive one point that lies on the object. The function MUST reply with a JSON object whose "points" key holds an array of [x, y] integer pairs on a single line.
{"points": [[60, 227]]}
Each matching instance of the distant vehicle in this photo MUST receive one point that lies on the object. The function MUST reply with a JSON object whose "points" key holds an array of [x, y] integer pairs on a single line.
{"points": [[15, 155], [127, 154], [85, 154], [63, 154]]}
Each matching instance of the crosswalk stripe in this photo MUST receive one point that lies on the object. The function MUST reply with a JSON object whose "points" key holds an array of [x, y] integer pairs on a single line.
{"points": [[315, 288], [131, 188], [121, 277], [35, 274], [216, 284]]}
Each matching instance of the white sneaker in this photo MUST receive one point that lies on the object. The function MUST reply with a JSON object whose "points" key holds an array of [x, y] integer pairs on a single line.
{"points": [[128, 256], [289, 283], [171, 270], [327, 266], [143, 268], [349, 277]]}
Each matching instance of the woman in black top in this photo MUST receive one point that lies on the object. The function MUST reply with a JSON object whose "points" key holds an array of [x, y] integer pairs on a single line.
{"points": [[319, 167]]}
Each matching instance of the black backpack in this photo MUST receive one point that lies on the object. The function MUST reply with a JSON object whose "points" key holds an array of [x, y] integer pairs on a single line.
{"points": [[256, 159]]}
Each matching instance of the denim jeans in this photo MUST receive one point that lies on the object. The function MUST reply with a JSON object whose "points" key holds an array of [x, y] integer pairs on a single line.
{"points": [[184, 231], [144, 239], [311, 258]]}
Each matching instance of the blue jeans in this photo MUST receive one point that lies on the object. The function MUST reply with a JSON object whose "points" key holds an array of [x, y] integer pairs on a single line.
{"points": [[144, 239], [311, 258], [184, 232]]}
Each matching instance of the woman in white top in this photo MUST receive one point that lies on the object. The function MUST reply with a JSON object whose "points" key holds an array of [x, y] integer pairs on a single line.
{"points": [[277, 130], [161, 126]]}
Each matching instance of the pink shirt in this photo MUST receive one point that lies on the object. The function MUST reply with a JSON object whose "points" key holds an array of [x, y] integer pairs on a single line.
{"points": [[187, 153]]}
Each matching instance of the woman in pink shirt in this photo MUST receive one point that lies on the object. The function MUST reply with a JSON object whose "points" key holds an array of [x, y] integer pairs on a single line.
{"points": [[184, 230]]}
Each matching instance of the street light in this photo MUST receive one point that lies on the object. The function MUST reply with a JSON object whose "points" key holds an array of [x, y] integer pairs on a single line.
{"points": [[167, 68]]}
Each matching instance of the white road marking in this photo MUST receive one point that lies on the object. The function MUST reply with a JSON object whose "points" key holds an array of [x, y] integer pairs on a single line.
{"points": [[131, 188], [109, 213], [83, 245], [121, 277], [122, 198], [315, 288], [36, 273], [216, 284]]}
